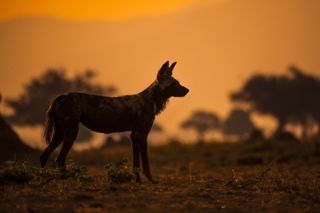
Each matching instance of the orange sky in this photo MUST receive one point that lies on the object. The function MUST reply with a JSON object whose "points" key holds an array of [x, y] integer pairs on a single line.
{"points": [[93, 9], [218, 44]]}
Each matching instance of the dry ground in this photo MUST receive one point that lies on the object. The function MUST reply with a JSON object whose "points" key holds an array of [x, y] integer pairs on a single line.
{"points": [[274, 176]]}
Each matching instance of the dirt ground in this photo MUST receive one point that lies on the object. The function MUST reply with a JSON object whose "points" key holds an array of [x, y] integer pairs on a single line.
{"points": [[270, 176]]}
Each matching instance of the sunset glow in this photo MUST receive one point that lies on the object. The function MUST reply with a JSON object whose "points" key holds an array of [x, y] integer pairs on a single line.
{"points": [[160, 105], [218, 45], [95, 9]]}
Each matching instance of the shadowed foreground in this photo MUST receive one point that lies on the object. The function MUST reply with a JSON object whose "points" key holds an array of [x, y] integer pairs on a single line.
{"points": [[272, 176]]}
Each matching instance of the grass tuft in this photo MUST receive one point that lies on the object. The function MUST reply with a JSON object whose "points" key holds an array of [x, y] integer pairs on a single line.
{"points": [[119, 172]]}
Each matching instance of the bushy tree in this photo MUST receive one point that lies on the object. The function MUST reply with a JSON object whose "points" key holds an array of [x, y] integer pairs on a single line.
{"points": [[201, 122], [156, 127], [292, 98], [29, 107], [238, 123]]}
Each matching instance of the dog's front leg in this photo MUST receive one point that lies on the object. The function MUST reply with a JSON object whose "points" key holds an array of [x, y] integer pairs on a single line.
{"points": [[143, 149], [135, 156]]}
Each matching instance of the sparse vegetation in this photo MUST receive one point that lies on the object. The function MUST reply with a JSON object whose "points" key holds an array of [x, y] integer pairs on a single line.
{"points": [[15, 172], [23, 172], [119, 172], [191, 178]]}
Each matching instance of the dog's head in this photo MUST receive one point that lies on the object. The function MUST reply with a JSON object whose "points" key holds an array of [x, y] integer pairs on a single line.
{"points": [[168, 84]]}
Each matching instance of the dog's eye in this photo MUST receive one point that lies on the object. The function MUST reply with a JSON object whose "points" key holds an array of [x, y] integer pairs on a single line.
{"points": [[175, 83]]}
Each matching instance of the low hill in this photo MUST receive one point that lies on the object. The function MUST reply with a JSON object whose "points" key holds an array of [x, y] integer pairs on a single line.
{"points": [[11, 146]]}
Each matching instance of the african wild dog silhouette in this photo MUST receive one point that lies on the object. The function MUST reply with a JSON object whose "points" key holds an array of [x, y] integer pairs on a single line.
{"points": [[133, 113]]}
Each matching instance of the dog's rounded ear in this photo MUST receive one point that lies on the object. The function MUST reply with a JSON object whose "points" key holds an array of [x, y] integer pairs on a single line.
{"points": [[163, 70], [171, 68]]}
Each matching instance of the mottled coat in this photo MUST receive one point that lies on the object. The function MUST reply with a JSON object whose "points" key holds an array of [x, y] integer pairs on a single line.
{"points": [[133, 113]]}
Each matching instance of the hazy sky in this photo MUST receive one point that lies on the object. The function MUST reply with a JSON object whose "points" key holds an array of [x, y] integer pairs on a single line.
{"points": [[93, 9], [218, 44]]}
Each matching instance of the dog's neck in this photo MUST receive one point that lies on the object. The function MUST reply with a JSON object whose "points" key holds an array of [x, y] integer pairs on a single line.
{"points": [[155, 93]]}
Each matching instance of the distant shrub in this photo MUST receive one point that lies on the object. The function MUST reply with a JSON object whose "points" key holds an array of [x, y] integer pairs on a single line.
{"points": [[119, 172]]}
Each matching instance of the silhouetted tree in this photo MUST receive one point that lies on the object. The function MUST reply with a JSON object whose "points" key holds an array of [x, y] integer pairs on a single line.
{"points": [[255, 135], [201, 122], [238, 123], [29, 107], [118, 139], [307, 99], [156, 127], [294, 98]]}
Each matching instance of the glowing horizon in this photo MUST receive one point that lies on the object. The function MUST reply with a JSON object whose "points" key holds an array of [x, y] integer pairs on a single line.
{"points": [[95, 9]]}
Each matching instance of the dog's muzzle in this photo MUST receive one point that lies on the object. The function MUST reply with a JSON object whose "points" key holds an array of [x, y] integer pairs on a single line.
{"points": [[182, 91]]}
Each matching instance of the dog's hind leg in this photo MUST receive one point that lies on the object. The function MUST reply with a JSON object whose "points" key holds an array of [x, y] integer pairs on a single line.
{"points": [[70, 133], [56, 140]]}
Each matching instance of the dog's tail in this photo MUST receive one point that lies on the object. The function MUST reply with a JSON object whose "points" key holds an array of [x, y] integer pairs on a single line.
{"points": [[51, 124]]}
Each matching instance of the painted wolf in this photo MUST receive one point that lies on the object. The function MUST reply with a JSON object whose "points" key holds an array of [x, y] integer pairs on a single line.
{"points": [[133, 113]]}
